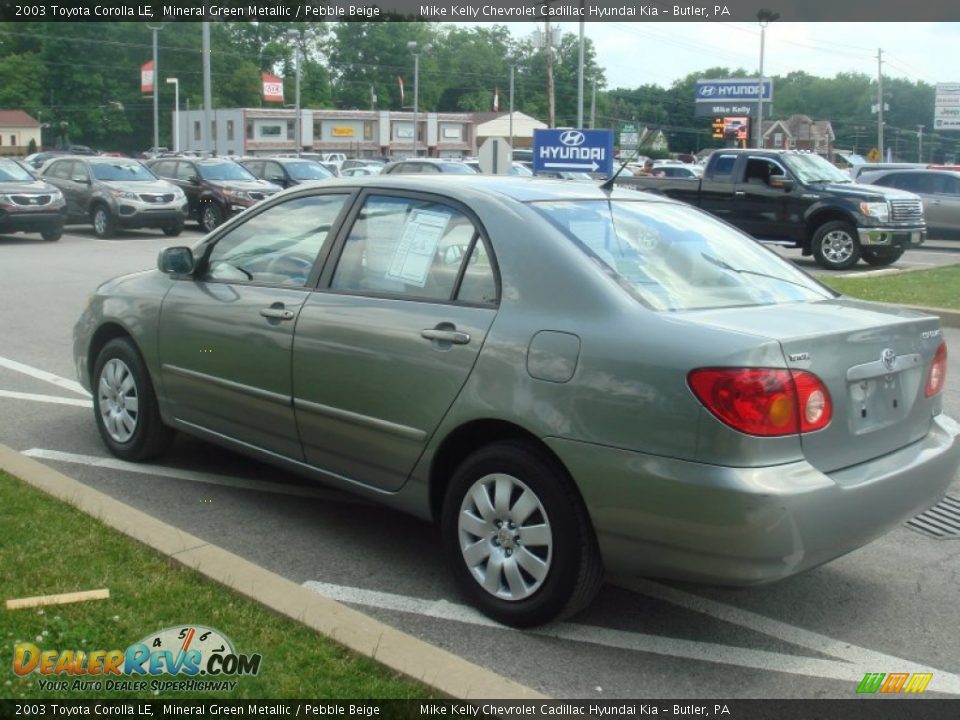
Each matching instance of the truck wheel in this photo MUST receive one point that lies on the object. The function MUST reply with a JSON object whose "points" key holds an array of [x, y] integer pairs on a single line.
{"points": [[881, 257], [835, 245]]}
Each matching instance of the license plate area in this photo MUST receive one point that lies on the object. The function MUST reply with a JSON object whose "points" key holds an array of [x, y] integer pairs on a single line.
{"points": [[876, 403]]}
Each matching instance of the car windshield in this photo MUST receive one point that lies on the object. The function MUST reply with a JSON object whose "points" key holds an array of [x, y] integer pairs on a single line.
{"points": [[813, 168], [308, 170], [673, 257], [121, 172], [11, 172], [224, 171]]}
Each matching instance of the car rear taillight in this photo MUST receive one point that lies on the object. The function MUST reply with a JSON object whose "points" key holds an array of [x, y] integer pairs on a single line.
{"points": [[764, 401], [938, 372]]}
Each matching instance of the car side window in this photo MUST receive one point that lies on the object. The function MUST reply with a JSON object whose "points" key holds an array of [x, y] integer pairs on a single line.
{"points": [[272, 170], [185, 171], [723, 165], [254, 166], [479, 283], [406, 247], [61, 169], [278, 246], [163, 169], [79, 173]]}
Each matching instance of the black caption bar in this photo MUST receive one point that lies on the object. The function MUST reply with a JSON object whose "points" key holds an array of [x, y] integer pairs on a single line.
{"points": [[479, 10], [862, 709]]}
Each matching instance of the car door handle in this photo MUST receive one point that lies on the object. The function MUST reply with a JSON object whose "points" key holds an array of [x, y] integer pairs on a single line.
{"points": [[451, 336], [277, 313], [739, 193]]}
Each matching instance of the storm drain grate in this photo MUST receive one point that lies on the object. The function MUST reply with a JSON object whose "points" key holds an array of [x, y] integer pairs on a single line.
{"points": [[940, 522]]}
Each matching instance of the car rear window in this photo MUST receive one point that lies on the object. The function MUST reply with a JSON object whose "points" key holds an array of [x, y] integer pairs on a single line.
{"points": [[673, 257]]}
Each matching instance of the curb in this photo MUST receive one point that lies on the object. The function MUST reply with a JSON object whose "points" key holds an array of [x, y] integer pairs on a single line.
{"points": [[948, 318], [440, 670]]}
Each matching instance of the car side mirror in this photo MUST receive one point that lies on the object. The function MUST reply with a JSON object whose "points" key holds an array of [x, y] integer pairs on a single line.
{"points": [[782, 182], [194, 180], [175, 260]]}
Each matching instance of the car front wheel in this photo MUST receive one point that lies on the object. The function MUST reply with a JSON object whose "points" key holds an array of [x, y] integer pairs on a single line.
{"points": [[125, 405], [103, 223], [210, 217], [52, 234], [517, 536]]}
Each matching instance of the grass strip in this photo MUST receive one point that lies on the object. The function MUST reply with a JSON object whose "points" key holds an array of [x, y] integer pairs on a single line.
{"points": [[930, 288], [48, 547]]}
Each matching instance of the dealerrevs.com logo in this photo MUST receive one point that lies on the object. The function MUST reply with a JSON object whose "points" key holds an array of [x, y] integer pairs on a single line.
{"points": [[203, 655]]}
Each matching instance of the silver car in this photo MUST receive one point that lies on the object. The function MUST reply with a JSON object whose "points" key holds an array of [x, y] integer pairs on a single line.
{"points": [[939, 190], [567, 379]]}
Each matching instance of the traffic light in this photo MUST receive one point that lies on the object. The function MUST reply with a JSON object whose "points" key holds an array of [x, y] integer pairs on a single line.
{"points": [[717, 129]]}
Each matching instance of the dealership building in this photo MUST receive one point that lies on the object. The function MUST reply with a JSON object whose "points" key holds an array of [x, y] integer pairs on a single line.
{"points": [[356, 133]]}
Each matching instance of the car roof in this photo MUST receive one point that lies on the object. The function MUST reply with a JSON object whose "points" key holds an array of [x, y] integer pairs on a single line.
{"points": [[519, 188]]}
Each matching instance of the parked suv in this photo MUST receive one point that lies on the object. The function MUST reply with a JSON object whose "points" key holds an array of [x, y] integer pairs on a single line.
{"points": [[286, 172], [112, 193], [216, 188], [28, 204]]}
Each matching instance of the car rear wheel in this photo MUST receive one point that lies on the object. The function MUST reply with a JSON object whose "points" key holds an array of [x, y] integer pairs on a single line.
{"points": [[881, 257], [103, 223], [835, 245], [210, 217], [125, 405], [517, 536]]}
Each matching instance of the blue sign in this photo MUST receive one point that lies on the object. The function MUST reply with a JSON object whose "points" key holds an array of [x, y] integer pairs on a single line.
{"points": [[733, 90], [573, 151]]}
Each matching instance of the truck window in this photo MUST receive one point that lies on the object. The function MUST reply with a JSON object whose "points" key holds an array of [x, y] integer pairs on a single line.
{"points": [[723, 165]]}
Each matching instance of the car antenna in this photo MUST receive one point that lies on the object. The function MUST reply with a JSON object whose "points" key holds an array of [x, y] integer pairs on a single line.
{"points": [[607, 185]]}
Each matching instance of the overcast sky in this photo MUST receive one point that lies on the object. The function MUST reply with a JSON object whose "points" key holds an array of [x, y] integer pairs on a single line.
{"points": [[636, 53]]}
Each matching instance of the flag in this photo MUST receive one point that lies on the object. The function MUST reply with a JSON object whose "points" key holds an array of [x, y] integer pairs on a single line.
{"points": [[496, 99], [272, 88], [400, 83], [146, 78]]}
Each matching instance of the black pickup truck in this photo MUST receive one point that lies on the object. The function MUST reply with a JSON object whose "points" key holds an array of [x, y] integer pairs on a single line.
{"points": [[800, 199]]}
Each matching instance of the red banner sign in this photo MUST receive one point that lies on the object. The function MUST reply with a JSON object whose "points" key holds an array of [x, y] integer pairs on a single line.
{"points": [[272, 88]]}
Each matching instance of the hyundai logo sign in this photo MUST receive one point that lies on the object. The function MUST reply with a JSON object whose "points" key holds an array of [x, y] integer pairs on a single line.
{"points": [[573, 138], [734, 90], [707, 90]]}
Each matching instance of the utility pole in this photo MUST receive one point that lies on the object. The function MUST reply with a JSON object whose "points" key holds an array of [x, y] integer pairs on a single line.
{"points": [[580, 77], [207, 92], [920, 143], [880, 104], [551, 114], [593, 106]]}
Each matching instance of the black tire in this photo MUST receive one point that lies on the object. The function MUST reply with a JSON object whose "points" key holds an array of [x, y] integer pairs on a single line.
{"points": [[881, 257], [573, 569], [173, 230], [52, 234], [104, 225], [148, 436], [211, 216], [835, 245]]}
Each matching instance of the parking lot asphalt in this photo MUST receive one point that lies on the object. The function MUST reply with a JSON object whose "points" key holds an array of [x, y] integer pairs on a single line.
{"points": [[889, 607]]}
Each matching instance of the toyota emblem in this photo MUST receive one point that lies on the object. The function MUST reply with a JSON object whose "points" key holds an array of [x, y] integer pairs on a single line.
{"points": [[573, 138], [888, 358]]}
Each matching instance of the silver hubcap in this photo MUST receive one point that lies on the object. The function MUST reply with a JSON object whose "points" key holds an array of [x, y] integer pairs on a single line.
{"points": [[837, 246], [209, 218], [505, 537], [100, 222], [119, 402]]}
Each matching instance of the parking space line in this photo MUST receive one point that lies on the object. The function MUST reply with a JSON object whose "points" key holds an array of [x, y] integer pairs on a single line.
{"points": [[849, 668], [194, 476], [72, 385], [46, 398]]}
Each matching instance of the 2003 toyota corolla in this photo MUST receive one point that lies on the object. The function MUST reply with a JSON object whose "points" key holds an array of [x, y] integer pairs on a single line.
{"points": [[567, 379]]}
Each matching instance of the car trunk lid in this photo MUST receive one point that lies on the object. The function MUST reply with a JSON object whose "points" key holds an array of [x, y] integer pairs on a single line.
{"points": [[874, 361]]}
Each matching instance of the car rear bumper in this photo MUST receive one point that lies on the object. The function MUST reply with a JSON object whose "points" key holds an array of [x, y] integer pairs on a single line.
{"points": [[892, 237], [672, 518]]}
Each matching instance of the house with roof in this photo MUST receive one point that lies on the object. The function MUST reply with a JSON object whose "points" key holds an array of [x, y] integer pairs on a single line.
{"points": [[494, 124], [17, 129], [799, 132]]}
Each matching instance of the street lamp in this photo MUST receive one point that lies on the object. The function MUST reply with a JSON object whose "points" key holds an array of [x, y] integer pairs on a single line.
{"points": [[156, 27], [764, 17], [176, 112], [414, 48], [295, 36]]}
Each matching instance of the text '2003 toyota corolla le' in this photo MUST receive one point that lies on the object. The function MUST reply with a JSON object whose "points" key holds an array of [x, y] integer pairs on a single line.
{"points": [[566, 379]]}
